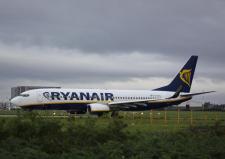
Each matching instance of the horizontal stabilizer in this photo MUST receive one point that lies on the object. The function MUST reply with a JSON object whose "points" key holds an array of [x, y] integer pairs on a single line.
{"points": [[195, 94]]}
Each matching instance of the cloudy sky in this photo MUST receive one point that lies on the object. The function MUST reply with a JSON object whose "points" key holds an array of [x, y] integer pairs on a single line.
{"points": [[119, 44]]}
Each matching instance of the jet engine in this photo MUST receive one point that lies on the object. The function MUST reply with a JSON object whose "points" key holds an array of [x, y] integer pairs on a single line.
{"points": [[98, 108]]}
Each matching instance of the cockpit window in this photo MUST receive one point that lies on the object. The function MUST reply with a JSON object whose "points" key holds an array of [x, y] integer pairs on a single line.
{"points": [[24, 95]]}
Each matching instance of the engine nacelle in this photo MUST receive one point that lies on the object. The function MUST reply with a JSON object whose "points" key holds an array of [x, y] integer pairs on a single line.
{"points": [[98, 107]]}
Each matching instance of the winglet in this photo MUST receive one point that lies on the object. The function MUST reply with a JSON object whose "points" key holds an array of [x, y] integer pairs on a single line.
{"points": [[177, 93]]}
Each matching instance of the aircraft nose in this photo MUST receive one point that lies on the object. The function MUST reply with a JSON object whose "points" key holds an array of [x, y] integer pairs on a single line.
{"points": [[15, 101]]}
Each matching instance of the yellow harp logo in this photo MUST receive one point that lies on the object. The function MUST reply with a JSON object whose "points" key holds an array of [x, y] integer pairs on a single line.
{"points": [[185, 76]]}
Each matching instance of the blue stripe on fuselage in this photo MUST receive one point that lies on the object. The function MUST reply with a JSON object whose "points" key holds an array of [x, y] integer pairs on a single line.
{"points": [[58, 106]]}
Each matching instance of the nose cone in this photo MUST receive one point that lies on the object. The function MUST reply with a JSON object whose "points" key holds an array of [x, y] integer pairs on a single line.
{"points": [[15, 101]]}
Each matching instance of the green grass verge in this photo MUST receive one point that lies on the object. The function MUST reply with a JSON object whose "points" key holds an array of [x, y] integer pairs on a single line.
{"points": [[33, 136]]}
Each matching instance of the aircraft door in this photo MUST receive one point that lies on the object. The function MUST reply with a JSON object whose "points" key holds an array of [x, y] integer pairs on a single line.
{"points": [[39, 97]]}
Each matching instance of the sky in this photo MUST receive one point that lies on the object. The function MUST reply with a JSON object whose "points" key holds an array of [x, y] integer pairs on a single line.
{"points": [[119, 44]]}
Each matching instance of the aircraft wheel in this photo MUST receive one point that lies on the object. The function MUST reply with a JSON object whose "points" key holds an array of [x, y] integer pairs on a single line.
{"points": [[115, 114]]}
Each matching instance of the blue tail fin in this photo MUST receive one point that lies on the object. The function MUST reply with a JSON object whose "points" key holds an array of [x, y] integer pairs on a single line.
{"points": [[183, 79]]}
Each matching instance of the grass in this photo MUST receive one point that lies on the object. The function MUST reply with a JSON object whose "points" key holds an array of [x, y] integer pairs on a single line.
{"points": [[155, 120], [133, 135]]}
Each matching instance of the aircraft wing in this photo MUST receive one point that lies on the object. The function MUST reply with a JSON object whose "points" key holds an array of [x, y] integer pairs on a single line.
{"points": [[155, 102], [129, 104], [175, 99], [176, 94], [146, 103], [132, 101]]}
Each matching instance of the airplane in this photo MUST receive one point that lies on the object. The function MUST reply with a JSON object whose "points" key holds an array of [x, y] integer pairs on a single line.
{"points": [[99, 101]]}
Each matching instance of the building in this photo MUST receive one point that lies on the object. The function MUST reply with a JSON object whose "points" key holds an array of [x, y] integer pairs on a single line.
{"points": [[15, 91], [4, 105], [213, 107]]}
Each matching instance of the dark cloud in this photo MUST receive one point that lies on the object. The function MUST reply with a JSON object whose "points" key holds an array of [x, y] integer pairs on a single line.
{"points": [[78, 66], [175, 27]]}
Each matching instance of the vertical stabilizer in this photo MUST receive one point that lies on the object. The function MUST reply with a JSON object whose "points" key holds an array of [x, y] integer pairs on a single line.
{"points": [[183, 79]]}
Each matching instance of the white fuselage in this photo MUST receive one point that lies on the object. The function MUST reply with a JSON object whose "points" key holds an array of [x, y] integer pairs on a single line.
{"points": [[43, 97]]}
